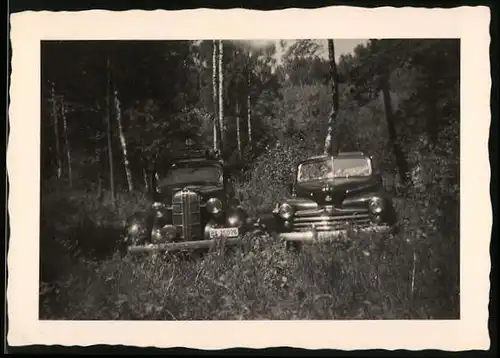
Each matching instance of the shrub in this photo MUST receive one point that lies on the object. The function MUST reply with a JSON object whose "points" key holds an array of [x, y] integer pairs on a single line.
{"points": [[267, 180], [75, 223]]}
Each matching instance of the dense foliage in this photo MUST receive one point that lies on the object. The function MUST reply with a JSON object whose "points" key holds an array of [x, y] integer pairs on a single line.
{"points": [[399, 100]]}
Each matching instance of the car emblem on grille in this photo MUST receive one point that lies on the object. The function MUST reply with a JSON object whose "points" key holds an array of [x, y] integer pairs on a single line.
{"points": [[328, 198], [329, 209]]}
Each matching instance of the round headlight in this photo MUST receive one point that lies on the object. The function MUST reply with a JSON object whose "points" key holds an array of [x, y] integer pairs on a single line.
{"points": [[235, 218], [214, 206], [286, 211], [376, 205], [134, 229], [156, 235], [157, 205]]}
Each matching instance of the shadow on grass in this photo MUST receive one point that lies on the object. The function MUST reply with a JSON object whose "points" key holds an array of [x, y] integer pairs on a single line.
{"points": [[61, 249]]}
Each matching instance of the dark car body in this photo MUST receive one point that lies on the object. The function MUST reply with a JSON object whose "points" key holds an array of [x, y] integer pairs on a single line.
{"points": [[347, 195], [193, 206]]}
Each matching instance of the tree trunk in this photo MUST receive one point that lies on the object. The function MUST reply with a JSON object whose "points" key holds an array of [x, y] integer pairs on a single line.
{"points": [[56, 132], [109, 134], [215, 95], [100, 171], [329, 146], [123, 141], [99, 186], [399, 156], [249, 122], [221, 96], [145, 177], [66, 142], [249, 110], [238, 133]]}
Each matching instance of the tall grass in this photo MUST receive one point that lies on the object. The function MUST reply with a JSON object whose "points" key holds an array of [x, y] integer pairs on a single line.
{"points": [[412, 275], [260, 280]]}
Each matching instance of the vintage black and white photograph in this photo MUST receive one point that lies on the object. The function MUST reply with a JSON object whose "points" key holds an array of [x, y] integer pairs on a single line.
{"points": [[256, 179], [249, 178]]}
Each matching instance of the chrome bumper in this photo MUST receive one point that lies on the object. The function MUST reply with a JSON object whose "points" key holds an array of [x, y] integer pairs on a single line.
{"points": [[186, 245], [168, 235], [330, 235]]}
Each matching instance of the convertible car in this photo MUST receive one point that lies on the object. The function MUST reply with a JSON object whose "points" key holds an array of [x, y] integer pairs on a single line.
{"points": [[331, 195], [193, 207]]}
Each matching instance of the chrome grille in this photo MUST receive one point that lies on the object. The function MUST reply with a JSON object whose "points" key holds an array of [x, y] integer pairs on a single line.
{"points": [[330, 218], [186, 213]]}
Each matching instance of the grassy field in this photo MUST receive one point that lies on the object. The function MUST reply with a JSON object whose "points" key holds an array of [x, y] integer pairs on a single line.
{"points": [[412, 275], [369, 278]]}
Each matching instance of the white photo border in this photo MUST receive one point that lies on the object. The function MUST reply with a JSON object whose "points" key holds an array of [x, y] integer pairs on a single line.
{"points": [[469, 24]]}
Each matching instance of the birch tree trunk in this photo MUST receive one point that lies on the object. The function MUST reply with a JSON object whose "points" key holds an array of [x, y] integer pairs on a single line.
{"points": [[329, 147], [221, 95], [110, 147], [66, 141], [249, 110], [238, 134], [215, 95], [145, 178], [249, 121], [56, 132], [123, 141]]}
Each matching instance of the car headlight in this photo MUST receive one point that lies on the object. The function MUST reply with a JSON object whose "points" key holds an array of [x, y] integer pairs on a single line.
{"points": [[156, 235], [214, 206], [134, 229], [158, 205], [285, 211], [376, 205], [235, 218]]}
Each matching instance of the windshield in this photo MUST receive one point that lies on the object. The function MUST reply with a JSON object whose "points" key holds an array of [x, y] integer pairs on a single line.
{"points": [[336, 168], [185, 174]]}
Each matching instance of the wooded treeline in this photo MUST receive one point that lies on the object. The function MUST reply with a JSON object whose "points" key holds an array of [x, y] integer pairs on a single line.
{"points": [[108, 107]]}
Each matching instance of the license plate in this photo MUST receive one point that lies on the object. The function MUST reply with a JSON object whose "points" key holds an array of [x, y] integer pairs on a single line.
{"points": [[224, 232]]}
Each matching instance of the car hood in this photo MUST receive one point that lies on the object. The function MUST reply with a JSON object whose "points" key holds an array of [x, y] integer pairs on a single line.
{"points": [[333, 191]]}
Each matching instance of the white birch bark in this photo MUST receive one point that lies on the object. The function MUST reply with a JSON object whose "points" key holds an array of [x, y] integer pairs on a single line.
{"points": [[145, 178], [249, 102], [335, 98], [238, 135], [221, 94], [215, 95], [249, 112], [123, 141]]}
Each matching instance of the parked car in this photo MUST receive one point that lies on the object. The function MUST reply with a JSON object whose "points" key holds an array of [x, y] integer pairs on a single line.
{"points": [[332, 194], [193, 206]]}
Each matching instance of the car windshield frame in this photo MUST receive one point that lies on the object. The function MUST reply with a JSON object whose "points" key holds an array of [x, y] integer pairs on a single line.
{"points": [[329, 171], [189, 172]]}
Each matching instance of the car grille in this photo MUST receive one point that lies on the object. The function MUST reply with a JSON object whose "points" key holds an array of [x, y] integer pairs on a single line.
{"points": [[186, 213], [331, 219]]}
